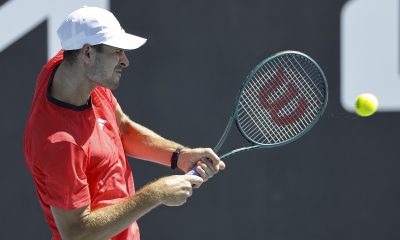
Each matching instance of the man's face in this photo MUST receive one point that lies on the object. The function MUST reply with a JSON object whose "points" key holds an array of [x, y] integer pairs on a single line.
{"points": [[107, 68]]}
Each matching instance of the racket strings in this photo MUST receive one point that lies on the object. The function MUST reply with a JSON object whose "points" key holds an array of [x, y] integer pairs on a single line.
{"points": [[292, 76], [279, 92], [283, 109], [260, 130], [281, 99], [275, 135], [313, 89], [316, 75], [254, 119], [304, 89], [289, 74]]}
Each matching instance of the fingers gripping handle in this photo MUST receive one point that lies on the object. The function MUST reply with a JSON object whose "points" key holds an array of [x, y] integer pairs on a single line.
{"points": [[193, 171]]}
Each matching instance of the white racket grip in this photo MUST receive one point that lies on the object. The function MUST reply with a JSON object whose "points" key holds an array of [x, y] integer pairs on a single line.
{"points": [[193, 171]]}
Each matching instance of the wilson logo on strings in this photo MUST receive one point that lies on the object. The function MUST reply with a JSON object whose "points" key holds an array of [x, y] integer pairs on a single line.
{"points": [[277, 94]]}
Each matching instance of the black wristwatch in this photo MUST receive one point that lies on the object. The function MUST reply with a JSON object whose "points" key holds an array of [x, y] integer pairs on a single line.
{"points": [[175, 156]]}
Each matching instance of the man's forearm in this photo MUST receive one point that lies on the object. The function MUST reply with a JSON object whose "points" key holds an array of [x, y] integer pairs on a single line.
{"points": [[106, 222], [140, 142]]}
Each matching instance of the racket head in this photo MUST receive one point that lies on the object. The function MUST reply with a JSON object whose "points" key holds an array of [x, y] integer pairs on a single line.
{"points": [[281, 99]]}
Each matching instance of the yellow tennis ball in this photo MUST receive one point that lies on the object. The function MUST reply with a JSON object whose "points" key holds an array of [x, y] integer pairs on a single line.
{"points": [[366, 104]]}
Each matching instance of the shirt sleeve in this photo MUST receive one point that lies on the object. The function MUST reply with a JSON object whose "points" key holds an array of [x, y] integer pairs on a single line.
{"points": [[63, 165]]}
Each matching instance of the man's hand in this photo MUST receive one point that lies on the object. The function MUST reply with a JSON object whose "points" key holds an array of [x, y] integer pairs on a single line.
{"points": [[207, 162], [175, 190]]}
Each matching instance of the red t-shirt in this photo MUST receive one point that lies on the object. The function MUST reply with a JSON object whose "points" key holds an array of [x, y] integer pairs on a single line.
{"points": [[75, 153]]}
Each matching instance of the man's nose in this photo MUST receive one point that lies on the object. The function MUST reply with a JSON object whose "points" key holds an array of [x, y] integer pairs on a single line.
{"points": [[124, 60]]}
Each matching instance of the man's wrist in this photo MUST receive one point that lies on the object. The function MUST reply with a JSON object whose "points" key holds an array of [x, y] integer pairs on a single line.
{"points": [[175, 156]]}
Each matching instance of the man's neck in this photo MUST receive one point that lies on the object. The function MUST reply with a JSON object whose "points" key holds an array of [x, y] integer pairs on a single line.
{"points": [[70, 85]]}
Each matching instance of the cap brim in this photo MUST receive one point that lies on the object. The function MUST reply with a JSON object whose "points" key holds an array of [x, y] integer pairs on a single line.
{"points": [[126, 41]]}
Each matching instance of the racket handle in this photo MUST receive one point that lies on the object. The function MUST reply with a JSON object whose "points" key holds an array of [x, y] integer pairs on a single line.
{"points": [[193, 171]]}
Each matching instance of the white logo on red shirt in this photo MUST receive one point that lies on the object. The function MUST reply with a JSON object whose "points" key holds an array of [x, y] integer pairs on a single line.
{"points": [[101, 123]]}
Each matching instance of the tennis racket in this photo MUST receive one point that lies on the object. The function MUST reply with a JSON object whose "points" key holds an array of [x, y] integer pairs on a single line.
{"points": [[280, 100]]}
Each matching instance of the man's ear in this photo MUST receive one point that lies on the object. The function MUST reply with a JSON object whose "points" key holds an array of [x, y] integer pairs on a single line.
{"points": [[87, 53]]}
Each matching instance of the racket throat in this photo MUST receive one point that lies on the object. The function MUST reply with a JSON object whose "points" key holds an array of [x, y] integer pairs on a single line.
{"points": [[224, 135]]}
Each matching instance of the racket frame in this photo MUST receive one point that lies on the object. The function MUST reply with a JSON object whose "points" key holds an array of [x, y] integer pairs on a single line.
{"points": [[233, 117]]}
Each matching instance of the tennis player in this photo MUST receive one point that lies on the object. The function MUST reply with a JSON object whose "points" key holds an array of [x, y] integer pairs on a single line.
{"points": [[77, 138]]}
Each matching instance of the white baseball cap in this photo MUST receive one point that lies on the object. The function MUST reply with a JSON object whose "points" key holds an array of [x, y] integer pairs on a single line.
{"points": [[94, 25]]}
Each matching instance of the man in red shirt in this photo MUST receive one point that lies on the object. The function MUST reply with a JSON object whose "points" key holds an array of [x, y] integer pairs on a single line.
{"points": [[77, 138]]}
